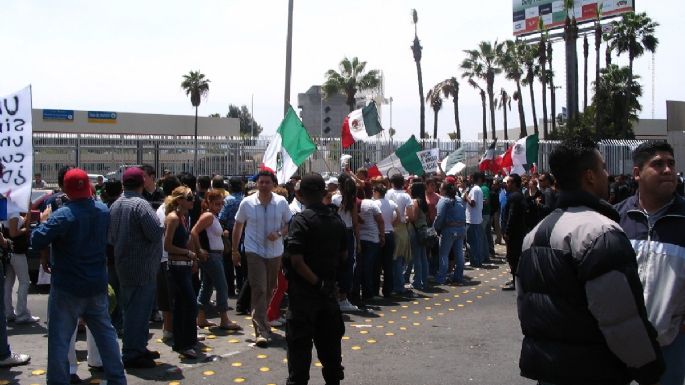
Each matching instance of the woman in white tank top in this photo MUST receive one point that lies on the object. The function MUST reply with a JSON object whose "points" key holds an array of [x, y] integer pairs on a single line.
{"points": [[207, 236]]}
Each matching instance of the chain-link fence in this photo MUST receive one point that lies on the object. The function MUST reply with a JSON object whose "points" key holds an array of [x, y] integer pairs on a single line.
{"points": [[106, 154]]}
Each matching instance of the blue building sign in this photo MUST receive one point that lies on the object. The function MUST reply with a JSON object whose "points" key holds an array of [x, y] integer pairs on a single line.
{"points": [[63, 115], [102, 117]]}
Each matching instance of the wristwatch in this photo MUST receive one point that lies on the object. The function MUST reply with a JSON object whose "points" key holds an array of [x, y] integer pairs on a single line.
{"points": [[279, 233]]}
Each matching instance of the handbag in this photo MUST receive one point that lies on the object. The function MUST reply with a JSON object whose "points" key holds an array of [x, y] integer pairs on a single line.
{"points": [[427, 236]]}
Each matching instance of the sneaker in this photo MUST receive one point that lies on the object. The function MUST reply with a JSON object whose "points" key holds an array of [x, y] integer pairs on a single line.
{"points": [[189, 353], [30, 320], [262, 342], [200, 337], [167, 335], [346, 305], [509, 287], [278, 322], [15, 359]]}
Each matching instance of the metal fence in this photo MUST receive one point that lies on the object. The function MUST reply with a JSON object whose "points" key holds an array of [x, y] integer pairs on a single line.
{"points": [[106, 154]]}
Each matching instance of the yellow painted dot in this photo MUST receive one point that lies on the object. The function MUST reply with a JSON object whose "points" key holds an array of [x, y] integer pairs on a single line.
{"points": [[262, 356], [428, 308], [207, 349], [404, 306], [416, 323], [465, 292], [38, 372], [211, 336], [248, 317], [171, 383], [415, 302], [274, 330], [356, 347], [487, 293], [446, 299], [380, 326], [429, 318], [364, 332], [451, 309], [389, 334], [403, 328], [239, 380], [393, 310], [426, 299], [391, 322], [403, 317], [367, 320], [441, 313], [208, 373], [285, 360], [318, 364], [159, 340], [264, 369], [415, 312], [481, 275], [460, 305], [346, 337], [233, 341], [469, 301], [206, 327], [435, 294], [479, 296], [371, 341], [236, 364]]}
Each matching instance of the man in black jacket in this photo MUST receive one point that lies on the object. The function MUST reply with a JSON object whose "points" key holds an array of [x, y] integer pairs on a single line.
{"points": [[514, 226], [580, 299]]}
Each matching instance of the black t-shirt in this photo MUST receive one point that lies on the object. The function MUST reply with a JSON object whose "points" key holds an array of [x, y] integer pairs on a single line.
{"points": [[156, 197], [318, 234]]}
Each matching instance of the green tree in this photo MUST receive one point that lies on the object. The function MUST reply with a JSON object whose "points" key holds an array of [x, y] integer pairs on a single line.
{"points": [[482, 63], [196, 86], [435, 101], [528, 55], [246, 122], [475, 85], [504, 103], [633, 34], [350, 79], [416, 51], [552, 90], [450, 88], [511, 62], [543, 75]]}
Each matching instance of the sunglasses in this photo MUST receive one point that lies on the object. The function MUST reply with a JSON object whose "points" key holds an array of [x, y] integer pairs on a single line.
{"points": [[190, 198]]}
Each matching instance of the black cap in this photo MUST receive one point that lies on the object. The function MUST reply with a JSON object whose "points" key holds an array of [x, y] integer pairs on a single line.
{"points": [[313, 183]]}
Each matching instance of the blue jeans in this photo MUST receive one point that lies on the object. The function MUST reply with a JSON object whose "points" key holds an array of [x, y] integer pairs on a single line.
{"points": [[185, 307], [385, 263], [488, 243], [420, 260], [363, 270], [4, 346], [398, 274], [451, 239], [64, 311], [213, 278], [136, 305], [346, 275], [674, 357], [474, 237]]}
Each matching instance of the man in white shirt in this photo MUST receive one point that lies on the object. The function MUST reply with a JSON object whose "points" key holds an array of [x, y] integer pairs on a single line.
{"points": [[473, 197], [372, 238], [296, 206], [265, 217], [402, 252]]}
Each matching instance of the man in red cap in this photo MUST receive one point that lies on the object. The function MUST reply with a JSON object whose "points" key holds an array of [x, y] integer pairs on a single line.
{"points": [[78, 234]]}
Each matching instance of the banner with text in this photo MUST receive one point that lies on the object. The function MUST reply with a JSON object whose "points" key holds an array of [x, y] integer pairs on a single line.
{"points": [[16, 149], [429, 159]]}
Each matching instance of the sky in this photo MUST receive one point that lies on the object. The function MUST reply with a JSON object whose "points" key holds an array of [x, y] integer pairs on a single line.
{"points": [[130, 55]]}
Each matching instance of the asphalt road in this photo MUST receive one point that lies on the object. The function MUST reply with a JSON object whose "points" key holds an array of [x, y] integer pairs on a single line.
{"points": [[449, 335]]}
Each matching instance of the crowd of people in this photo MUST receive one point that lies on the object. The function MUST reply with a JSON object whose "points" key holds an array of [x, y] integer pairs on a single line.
{"points": [[144, 248]]}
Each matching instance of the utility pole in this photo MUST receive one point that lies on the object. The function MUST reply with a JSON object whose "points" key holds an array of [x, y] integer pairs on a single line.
{"points": [[288, 58], [570, 37]]}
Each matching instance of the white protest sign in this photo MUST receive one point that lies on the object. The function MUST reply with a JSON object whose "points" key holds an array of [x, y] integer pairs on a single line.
{"points": [[16, 148], [429, 159]]}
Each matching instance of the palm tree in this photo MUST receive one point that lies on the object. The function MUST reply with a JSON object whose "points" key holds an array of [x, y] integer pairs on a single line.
{"points": [[610, 100], [416, 50], [435, 101], [570, 39], [350, 79], [485, 114], [542, 60], [504, 103], [450, 88], [528, 57], [552, 90], [482, 63], [598, 44], [633, 34], [586, 52], [196, 86], [510, 61]]}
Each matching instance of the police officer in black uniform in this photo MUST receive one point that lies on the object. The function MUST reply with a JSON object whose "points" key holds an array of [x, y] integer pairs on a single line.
{"points": [[314, 251]]}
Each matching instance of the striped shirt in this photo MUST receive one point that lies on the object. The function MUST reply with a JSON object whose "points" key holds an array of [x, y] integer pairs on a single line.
{"points": [[136, 235]]}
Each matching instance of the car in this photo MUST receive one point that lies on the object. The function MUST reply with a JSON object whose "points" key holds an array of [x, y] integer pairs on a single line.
{"points": [[93, 178], [119, 172]]}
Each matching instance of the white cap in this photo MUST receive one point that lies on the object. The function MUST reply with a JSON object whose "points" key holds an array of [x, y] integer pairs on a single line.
{"points": [[332, 180]]}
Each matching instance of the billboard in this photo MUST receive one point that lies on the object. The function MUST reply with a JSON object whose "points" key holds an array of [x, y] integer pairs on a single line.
{"points": [[528, 13]]}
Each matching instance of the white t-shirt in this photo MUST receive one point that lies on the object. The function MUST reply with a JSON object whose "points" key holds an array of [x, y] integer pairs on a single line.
{"points": [[260, 220], [346, 216], [474, 215], [402, 199], [295, 207], [368, 231], [11, 215], [162, 217], [389, 211]]}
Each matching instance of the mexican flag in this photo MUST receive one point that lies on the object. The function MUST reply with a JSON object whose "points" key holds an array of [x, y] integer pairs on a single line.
{"points": [[488, 161], [289, 148], [360, 124], [405, 160], [525, 152], [454, 163]]}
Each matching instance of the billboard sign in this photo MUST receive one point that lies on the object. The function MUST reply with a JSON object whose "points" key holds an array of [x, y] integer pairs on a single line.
{"points": [[527, 14], [102, 117], [63, 115]]}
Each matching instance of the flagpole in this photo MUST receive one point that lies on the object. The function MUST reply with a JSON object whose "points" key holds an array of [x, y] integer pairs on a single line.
{"points": [[288, 58]]}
